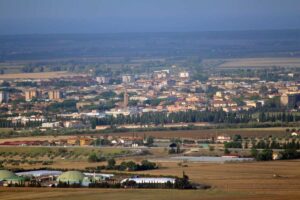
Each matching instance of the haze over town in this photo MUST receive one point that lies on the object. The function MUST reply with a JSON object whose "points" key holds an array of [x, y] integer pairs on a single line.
{"points": [[149, 99]]}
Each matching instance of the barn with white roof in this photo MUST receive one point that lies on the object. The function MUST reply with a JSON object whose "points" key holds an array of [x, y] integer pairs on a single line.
{"points": [[140, 180]]}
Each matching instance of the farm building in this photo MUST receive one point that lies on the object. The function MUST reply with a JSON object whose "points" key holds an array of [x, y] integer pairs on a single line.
{"points": [[39, 173], [294, 134], [97, 176], [150, 180]]}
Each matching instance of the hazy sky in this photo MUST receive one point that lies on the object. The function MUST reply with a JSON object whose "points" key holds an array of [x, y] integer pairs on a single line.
{"points": [[98, 16]]}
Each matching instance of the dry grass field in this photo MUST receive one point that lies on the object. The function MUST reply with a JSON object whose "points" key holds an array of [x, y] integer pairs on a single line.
{"points": [[260, 62], [242, 177], [193, 134], [42, 75], [255, 178], [207, 133], [40, 138], [115, 194]]}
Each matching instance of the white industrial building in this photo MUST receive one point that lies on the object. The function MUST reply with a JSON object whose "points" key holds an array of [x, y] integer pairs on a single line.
{"points": [[150, 180], [51, 124]]}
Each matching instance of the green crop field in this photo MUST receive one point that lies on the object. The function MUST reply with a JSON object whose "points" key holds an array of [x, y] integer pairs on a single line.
{"points": [[5, 130]]}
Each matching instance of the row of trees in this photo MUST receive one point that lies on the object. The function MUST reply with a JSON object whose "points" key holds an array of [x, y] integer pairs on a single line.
{"points": [[233, 144], [262, 144], [282, 117], [161, 118], [165, 118], [267, 154], [124, 166], [264, 155], [17, 162], [130, 165], [194, 116], [9, 124]]}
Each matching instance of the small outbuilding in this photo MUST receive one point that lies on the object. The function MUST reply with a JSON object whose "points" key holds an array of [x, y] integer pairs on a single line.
{"points": [[294, 134], [160, 180]]}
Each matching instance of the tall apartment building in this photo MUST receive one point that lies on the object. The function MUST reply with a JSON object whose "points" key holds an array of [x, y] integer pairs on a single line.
{"points": [[127, 79], [102, 79], [4, 97], [55, 95], [31, 94], [126, 97], [290, 100]]}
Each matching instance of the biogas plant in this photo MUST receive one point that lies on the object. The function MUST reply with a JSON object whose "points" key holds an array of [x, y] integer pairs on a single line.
{"points": [[76, 179]]}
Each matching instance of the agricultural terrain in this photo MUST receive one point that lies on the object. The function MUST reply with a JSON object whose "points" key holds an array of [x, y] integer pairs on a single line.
{"points": [[259, 62], [208, 133], [41, 75], [277, 180]]}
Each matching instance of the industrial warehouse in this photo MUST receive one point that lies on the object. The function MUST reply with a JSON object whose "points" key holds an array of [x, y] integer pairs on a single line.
{"points": [[76, 179]]}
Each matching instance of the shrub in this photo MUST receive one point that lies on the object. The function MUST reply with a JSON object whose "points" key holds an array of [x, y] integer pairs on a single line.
{"points": [[111, 163], [266, 154], [233, 145], [226, 151]]}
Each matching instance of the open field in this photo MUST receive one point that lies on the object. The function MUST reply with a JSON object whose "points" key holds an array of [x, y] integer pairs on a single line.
{"points": [[74, 150], [193, 134], [40, 138], [114, 194], [254, 177], [42, 75], [207, 133], [246, 176], [260, 62]]}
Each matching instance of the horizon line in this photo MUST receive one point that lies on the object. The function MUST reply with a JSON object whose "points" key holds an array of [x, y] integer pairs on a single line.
{"points": [[151, 32]]}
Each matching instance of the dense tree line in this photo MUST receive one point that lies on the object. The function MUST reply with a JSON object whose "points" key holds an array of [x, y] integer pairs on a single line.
{"points": [[166, 118], [262, 144], [233, 144], [267, 154], [130, 165], [264, 155], [160, 118], [67, 105], [282, 117], [290, 154], [9, 124]]}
